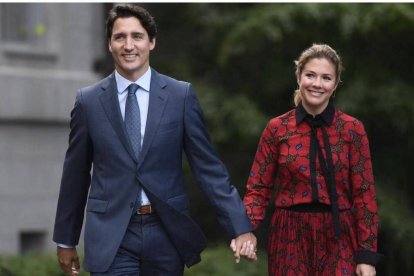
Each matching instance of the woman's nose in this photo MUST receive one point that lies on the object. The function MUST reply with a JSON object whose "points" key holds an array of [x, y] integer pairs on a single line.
{"points": [[317, 82]]}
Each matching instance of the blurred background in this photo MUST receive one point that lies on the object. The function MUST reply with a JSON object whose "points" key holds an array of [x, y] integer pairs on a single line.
{"points": [[239, 58]]}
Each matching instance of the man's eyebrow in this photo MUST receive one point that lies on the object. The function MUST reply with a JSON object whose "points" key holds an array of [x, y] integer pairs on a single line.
{"points": [[132, 33], [118, 34], [137, 33]]}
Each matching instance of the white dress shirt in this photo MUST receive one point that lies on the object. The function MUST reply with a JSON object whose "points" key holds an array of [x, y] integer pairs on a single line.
{"points": [[142, 95]]}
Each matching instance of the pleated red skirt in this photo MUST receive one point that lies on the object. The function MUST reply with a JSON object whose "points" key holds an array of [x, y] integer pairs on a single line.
{"points": [[303, 243]]}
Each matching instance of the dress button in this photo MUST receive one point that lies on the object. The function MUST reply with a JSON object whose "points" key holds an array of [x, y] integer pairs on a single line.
{"points": [[131, 205]]}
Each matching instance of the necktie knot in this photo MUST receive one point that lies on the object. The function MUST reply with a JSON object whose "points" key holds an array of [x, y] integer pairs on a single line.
{"points": [[132, 88]]}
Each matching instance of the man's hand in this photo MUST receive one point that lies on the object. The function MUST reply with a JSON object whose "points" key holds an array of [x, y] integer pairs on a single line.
{"points": [[68, 260], [365, 270], [244, 245]]}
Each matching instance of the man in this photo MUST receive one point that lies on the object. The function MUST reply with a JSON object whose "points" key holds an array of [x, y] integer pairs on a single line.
{"points": [[132, 128]]}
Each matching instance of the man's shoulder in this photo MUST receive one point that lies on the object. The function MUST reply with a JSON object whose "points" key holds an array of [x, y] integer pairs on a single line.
{"points": [[170, 81], [99, 85]]}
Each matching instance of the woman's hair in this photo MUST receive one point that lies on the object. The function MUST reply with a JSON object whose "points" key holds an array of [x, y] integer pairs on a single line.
{"points": [[317, 51], [131, 10]]}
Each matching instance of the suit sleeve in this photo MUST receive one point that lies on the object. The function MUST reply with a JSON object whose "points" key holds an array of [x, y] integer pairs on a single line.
{"points": [[210, 172], [75, 180]]}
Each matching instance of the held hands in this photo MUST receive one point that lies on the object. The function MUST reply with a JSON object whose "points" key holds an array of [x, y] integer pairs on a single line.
{"points": [[68, 260], [365, 270], [244, 245]]}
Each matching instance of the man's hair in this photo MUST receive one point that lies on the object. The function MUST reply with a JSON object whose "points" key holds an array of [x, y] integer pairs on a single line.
{"points": [[131, 10]]}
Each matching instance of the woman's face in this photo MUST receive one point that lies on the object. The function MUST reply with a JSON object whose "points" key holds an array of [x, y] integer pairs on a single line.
{"points": [[317, 82]]}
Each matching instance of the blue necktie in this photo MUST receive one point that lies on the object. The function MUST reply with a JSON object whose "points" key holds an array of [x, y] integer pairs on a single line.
{"points": [[133, 126]]}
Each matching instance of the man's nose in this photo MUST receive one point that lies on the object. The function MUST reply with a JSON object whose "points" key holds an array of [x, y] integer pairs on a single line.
{"points": [[129, 44]]}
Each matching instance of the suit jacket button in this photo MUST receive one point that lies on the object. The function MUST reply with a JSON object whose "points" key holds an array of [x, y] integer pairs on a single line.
{"points": [[131, 205]]}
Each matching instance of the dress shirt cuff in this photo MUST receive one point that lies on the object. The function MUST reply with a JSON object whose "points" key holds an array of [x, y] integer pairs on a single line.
{"points": [[65, 245], [367, 257]]}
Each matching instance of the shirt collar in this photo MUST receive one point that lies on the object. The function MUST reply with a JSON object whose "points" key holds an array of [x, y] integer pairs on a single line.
{"points": [[327, 115], [144, 81]]}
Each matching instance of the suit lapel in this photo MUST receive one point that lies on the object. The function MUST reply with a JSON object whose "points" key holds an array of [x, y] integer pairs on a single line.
{"points": [[157, 101], [110, 103]]}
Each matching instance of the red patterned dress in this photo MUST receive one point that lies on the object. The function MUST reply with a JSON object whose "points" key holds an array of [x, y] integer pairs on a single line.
{"points": [[319, 171]]}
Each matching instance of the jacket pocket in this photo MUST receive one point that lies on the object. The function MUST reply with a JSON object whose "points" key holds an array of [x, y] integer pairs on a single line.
{"points": [[97, 205], [163, 128]]}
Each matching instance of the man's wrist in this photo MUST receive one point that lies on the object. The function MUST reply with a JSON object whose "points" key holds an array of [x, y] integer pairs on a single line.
{"points": [[61, 245]]}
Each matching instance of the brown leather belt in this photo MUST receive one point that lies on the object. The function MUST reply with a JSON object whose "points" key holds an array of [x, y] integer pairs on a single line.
{"points": [[145, 210]]}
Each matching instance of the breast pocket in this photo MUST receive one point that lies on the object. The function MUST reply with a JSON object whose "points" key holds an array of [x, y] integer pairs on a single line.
{"points": [[169, 127]]}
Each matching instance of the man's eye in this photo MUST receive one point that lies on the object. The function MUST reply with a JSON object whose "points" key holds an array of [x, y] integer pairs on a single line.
{"points": [[118, 38]]}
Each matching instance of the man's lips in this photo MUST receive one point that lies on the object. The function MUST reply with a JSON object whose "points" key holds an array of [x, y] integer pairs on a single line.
{"points": [[129, 56]]}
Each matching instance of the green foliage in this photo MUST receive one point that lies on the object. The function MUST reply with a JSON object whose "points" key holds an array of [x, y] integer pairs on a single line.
{"points": [[219, 261], [227, 120], [31, 266], [396, 232]]}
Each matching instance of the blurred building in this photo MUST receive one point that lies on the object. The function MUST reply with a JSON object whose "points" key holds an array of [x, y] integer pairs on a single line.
{"points": [[47, 52]]}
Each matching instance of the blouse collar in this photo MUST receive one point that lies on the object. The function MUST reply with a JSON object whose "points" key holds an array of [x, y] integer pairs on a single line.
{"points": [[326, 116]]}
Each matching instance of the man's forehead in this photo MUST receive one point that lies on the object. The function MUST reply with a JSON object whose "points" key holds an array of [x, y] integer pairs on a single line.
{"points": [[129, 32]]}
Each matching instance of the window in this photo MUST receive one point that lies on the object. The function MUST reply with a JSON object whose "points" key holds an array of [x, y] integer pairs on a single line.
{"points": [[32, 242], [24, 23]]}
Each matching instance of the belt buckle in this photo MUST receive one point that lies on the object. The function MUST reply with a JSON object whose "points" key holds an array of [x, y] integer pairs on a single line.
{"points": [[144, 213], [138, 211]]}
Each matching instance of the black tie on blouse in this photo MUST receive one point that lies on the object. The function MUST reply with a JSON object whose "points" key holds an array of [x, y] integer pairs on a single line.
{"points": [[326, 166], [320, 121]]}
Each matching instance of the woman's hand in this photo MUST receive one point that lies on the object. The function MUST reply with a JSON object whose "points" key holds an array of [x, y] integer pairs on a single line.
{"points": [[365, 270], [244, 245]]}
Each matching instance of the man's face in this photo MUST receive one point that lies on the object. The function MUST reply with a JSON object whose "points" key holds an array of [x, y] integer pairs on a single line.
{"points": [[130, 47]]}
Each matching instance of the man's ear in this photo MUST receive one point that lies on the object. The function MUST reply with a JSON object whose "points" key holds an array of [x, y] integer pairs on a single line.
{"points": [[109, 46], [152, 43]]}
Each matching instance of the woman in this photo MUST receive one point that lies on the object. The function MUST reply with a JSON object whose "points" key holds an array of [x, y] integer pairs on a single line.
{"points": [[316, 160]]}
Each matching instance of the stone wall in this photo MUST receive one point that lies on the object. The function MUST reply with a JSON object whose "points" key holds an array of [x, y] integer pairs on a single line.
{"points": [[38, 83]]}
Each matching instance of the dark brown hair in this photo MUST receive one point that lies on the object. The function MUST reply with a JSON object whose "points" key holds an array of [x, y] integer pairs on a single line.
{"points": [[131, 10]]}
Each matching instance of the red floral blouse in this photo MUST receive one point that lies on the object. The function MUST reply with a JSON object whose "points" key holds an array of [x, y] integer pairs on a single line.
{"points": [[282, 165]]}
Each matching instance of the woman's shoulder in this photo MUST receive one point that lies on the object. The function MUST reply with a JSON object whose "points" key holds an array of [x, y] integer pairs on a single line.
{"points": [[282, 119], [349, 121]]}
